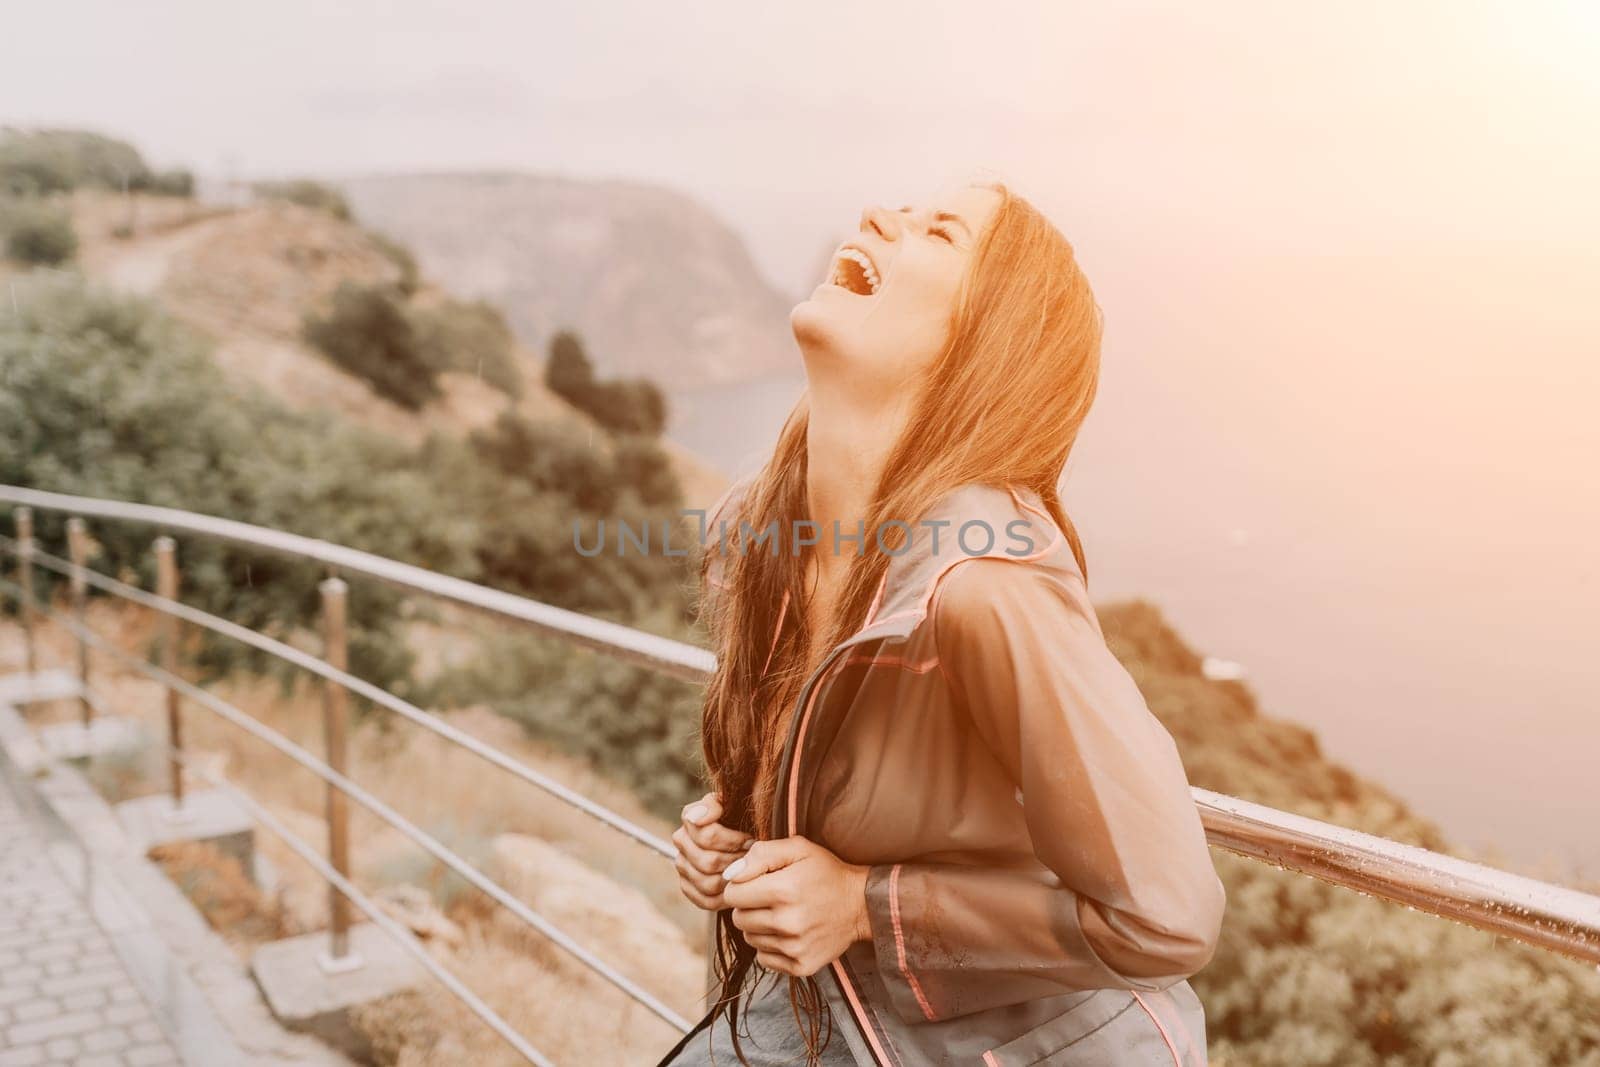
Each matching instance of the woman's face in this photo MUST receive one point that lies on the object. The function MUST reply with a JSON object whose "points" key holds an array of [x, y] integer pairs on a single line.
{"points": [[884, 313]]}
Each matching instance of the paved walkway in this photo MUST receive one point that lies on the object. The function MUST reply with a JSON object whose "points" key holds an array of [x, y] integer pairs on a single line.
{"points": [[65, 996]]}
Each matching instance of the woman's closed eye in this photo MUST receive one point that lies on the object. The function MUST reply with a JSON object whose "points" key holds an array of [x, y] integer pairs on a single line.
{"points": [[942, 233]]}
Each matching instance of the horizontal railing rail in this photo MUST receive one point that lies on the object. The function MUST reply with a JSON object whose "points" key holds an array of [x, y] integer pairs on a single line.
{"points": [[379, 696], [1536, 913], [623, 642]]}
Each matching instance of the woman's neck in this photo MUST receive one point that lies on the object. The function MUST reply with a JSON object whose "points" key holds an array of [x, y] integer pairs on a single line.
{"points": [[847, 444]]}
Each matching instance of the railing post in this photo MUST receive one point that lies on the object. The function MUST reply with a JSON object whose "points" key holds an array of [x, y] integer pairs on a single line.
{"points": [[167, 589], [78, 549], [25, 581], [334, 712]]}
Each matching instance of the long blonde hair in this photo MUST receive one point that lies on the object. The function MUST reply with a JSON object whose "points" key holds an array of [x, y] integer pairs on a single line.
{"points": [[1002, 405]]}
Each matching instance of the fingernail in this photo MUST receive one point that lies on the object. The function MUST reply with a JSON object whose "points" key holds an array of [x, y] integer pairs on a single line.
{"points": [[733, 870], [696, 812]]}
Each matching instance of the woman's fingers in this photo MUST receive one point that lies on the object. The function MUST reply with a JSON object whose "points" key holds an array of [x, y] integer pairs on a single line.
{"points": [[707, 809], [707, 882], [697, 897], [700, 820], [705, 849], [757, 923], [777, 961], [704, 860]]}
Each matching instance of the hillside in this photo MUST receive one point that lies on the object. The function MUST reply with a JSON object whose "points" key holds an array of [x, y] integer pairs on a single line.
{"points": [[245, 276], [1308, 974], [653, 280]]}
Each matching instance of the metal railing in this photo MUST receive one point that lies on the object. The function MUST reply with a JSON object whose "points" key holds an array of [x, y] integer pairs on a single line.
{"points": [[1536, 913]]}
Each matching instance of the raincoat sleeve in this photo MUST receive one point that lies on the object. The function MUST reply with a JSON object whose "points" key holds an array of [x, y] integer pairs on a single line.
{"points": [[1129, 898]]}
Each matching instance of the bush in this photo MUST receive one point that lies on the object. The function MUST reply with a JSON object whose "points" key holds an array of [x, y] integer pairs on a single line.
{"points": [[103, 396], [633, 725], [568, 373], [178, 183], [368, 333], [38, 233], [470, 336], [307, 193], [644, 465], [533, 481], [401, 257], [633, 406], [37, 162], [629, 406]]}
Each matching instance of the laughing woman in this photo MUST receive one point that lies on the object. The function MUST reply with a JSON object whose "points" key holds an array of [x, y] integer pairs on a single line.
{"points": [[946, 828]]}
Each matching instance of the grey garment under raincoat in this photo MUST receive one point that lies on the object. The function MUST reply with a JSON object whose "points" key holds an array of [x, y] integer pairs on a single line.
{"points": [[1039, 884]]}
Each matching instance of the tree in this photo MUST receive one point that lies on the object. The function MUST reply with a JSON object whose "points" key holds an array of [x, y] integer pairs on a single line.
{"points": [[628, 406], [569, 374], [368, 333]]}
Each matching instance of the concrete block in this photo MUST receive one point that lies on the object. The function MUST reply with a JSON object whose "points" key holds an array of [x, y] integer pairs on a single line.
{"points": [[105, 735], [207, 815], [22, 688], [308, 995]]}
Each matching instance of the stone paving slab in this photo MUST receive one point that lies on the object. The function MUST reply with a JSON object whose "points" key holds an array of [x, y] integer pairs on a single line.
{"points": [[65, 996]]}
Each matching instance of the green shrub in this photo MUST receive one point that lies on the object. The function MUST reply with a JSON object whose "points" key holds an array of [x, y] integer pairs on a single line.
{"points": [[401, 257], [533, 481], [42, 161], [633, 725], [568, 372], [179, 183], [629, 406], [104, 396], [644, 465], [369, 334], [632, 406], [307, 193], [471, 336], [38, 233]]}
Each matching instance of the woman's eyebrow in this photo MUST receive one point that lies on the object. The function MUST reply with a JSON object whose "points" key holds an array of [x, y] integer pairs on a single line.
{"points": [[945, 216]]}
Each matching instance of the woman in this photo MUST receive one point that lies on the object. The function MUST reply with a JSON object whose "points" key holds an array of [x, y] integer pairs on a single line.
{"points": [[946, 827]]}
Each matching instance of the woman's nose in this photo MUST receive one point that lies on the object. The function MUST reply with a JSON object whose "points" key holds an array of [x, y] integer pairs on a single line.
{"points": [[885, 224]]}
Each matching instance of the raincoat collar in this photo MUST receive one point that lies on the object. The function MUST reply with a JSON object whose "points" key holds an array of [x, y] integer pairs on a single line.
{"points": [[974, 521]]}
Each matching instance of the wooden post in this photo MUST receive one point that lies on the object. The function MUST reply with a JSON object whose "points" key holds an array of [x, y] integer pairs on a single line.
{"points": [[334, 727], [167, 589], [78, 549], [25, 580]]}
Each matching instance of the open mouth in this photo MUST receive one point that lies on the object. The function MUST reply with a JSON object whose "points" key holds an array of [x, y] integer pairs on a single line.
{"points": [[853, 270]]}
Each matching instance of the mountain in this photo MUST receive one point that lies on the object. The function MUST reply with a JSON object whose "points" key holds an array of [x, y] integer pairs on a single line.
{"points": [[653, 281]]}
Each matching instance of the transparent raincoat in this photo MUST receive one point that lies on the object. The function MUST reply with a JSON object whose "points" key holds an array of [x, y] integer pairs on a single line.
{"points": [[1040, 886]]}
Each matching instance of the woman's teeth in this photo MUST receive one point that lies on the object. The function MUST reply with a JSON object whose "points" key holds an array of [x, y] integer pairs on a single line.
{"points": [[856, 272]]}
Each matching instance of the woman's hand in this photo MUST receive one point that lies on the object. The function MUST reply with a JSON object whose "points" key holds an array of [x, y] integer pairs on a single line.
{"points": [[798, 904], [705, 848]]}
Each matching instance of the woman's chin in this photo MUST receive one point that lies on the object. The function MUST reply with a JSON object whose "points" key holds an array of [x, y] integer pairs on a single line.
{"points": [[821, 319]]}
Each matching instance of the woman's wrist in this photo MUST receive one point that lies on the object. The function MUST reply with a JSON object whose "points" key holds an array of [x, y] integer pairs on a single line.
{"points": [[858, 899]]}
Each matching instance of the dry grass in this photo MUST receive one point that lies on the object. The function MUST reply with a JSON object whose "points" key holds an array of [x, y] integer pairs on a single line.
{"points": [[229, 899]]}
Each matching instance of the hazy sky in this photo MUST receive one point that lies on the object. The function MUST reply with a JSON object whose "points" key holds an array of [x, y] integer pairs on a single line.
{"points": [[1157, 122], [1349, 256]]}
